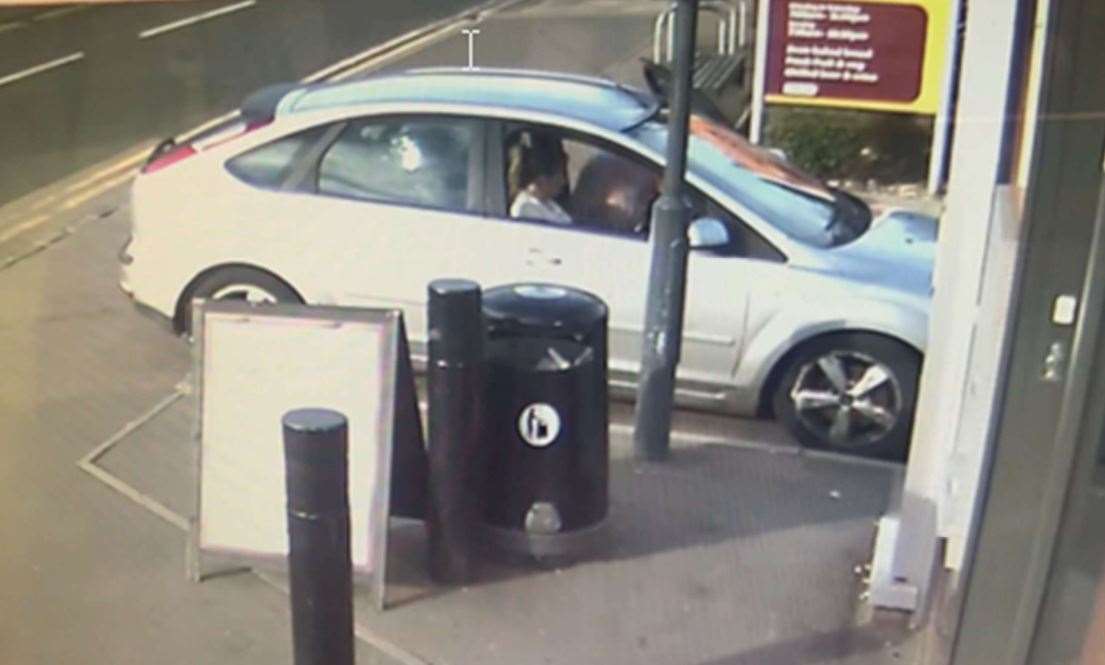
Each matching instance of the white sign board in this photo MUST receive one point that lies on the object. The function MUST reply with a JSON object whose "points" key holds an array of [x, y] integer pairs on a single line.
{"points": [[254, 364]]}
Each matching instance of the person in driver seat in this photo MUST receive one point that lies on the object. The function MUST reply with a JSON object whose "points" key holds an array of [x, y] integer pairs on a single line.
{"points": [[539, 173]]}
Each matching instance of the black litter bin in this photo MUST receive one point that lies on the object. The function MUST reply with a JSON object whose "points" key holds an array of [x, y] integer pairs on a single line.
{"points": [[550, 311], [546, 419]]}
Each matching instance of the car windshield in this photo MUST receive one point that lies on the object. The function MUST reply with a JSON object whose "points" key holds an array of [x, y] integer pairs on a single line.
{"points": [[796, 203]]}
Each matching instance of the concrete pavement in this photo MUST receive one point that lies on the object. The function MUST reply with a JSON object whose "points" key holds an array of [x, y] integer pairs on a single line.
{"points": [[730, 553]]}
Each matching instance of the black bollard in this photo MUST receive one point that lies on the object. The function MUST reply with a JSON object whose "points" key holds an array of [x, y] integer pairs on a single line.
{"points": [[455, 380], [317, 480]]}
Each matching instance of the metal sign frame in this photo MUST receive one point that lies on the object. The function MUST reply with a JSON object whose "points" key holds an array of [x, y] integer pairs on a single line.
{"points": [[205, 562], [938, 79]]}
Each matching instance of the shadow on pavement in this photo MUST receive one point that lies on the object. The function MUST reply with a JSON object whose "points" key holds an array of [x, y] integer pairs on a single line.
{"points": [[713, 493], [842, 645], [701, 496]]}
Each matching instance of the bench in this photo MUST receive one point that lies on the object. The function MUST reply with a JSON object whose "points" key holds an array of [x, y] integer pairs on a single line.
{"points": [[722, 74]]}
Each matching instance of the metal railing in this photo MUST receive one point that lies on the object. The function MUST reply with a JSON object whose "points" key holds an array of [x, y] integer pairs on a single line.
{"points": [[732, 28]]}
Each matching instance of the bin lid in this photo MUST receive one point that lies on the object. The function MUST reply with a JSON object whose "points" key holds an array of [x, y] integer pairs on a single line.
{"points": [[539, 355], [540, 305]]}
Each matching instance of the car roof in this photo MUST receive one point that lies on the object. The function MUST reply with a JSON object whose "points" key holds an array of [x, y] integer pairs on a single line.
{"points": [[594, 100]]}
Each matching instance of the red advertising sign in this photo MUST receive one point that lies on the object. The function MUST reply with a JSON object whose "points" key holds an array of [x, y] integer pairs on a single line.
{"points": [[872, 54]]}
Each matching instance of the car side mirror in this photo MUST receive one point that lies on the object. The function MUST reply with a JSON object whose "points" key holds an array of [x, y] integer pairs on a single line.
{"points": [[708, 233]]}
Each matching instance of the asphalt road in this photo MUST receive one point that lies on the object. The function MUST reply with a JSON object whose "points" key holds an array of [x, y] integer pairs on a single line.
{"points": [[81, 83]]}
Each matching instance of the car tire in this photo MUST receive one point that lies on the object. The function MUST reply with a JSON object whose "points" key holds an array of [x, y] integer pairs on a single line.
{"points": [[853, 393], [234, 283]]}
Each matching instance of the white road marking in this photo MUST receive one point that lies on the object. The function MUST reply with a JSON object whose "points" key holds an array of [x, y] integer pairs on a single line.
{"points": [[372, 57], [474, 16], [77, 200], [705, 439], [13, 231], [589, 10], [192, 20], [129, 161], [187, 136], [13, 25], [89, 466], [695, 438], [44, 202], [126, 163], [331, 71], [58, 13], [378, 54], [144, 500], [44, 67], [389, 56]]}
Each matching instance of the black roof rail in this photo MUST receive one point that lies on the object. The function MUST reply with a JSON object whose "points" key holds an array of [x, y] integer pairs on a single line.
{"points": [[261, 105]]}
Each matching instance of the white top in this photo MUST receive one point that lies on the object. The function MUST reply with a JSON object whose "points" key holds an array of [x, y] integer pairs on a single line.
{"points": [[528, 206]]}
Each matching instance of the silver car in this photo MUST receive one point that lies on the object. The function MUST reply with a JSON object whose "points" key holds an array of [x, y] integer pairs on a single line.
{"points": [[801, 301]]}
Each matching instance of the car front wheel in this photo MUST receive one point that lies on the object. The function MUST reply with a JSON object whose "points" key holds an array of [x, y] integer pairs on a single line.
{"points": [[852, 393]]}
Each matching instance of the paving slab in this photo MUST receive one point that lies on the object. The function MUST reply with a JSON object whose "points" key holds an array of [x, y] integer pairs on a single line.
{"points": [[726, 553], [723, 554]]}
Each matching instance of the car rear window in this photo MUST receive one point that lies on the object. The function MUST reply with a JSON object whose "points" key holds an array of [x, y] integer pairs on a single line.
{"points": [[269, 165], [421, 161]]}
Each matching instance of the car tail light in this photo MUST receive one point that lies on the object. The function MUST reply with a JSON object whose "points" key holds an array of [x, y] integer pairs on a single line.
{"points": [[169, 152], [167, 156]]}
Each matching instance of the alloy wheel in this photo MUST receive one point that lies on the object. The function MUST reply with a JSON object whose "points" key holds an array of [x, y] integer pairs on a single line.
{"points": [[847, 398]]}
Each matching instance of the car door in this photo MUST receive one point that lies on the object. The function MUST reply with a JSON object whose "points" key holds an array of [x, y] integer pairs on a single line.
{"points": [[605, 251], [390, 204]]}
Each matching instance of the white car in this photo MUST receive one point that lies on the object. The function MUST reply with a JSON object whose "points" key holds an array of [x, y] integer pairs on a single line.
{"points": [[801, 301]]}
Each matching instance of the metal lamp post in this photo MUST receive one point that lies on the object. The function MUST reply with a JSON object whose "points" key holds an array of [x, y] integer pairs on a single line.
{"points": [[668, 272]]}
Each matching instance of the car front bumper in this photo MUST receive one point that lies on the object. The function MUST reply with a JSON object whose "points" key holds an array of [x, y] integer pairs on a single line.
{"points": [[145, 310]]}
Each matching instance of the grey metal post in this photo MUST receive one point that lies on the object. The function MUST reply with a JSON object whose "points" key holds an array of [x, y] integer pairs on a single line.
{"points": [[319, 561], [759, 70], [668, 273], [455, 381]]}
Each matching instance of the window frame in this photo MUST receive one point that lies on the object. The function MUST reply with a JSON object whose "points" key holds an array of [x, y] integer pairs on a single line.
{"points": [[476, 167], [303, 154], [498, 206]]}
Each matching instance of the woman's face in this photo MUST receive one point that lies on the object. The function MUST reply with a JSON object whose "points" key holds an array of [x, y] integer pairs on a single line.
{"points": [[549, 186]]}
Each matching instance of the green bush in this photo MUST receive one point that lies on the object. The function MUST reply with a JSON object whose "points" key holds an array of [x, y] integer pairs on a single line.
{"points": [[852, 145]]}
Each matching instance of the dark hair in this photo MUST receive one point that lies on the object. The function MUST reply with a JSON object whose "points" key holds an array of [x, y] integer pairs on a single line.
{"points": [[531, 156]]}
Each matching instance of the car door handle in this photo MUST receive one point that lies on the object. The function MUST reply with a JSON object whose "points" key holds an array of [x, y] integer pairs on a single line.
{"points": [[536, 256]]}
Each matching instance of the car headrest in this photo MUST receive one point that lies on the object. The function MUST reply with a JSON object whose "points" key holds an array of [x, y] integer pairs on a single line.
{"points": [[613, 193]]}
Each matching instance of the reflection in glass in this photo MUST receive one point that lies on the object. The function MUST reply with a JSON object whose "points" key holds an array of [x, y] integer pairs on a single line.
{"points": [[1072, 620]]}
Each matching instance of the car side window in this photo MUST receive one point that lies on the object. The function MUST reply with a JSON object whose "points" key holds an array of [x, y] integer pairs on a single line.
{"points": [[404, 160], [743, 240], [598, 187], [269, 165], [609, 189]]}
